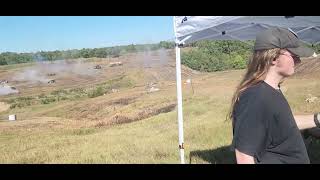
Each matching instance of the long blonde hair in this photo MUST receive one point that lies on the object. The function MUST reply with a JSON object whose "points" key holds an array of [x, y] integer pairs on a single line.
{"points": [[257, 69]]}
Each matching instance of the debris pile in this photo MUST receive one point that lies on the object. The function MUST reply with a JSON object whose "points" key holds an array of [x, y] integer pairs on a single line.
{"points": [[51, 81], [51, 74], [97, 67], [112, 64]]}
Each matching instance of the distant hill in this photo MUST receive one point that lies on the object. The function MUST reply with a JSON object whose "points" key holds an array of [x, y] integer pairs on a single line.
{"points": [[308, 67]]}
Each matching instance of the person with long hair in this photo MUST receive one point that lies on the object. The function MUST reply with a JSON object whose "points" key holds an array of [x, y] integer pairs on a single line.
{"points": [[264, 128]]}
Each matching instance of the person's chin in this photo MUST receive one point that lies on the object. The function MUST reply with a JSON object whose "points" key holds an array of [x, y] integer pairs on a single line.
{"points": [[288, 74]]}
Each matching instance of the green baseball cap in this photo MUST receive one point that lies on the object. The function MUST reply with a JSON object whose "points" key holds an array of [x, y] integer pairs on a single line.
{"points": [[277, 37]]}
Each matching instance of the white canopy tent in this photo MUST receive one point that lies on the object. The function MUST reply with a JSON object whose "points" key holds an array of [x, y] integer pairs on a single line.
{"points": [[189, 29]]}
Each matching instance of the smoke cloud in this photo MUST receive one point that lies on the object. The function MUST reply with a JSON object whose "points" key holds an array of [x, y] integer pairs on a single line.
{"points": [[39, 72], [5, 89]]}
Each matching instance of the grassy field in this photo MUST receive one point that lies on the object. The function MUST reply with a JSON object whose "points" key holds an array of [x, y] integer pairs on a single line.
{"points": [[135, 126]]}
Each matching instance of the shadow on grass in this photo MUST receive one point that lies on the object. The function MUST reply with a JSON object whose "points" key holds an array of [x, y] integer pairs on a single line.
{"points": [[224, 155], [221, 155]]}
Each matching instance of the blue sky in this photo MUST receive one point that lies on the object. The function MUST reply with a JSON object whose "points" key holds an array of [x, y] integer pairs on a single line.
{"points": [[48, 33]]}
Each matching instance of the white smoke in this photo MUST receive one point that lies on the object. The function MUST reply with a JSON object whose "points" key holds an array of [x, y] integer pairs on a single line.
{"points": [[147, 58], [5, 89], [80, 68], [163, 54], [156, 58], [39, 72], [33, 75]]}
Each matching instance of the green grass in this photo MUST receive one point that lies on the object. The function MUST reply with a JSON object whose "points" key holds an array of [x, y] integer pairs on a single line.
{"points": [[298, 90], [121, 82], [153, 140], [16, 66]]}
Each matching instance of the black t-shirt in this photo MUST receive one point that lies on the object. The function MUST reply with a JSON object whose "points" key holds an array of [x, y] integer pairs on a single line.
{"points": [[264, 127]]}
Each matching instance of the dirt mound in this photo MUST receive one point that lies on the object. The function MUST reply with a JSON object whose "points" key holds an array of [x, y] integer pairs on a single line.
{"points": [[308, 67], [142, 114]]}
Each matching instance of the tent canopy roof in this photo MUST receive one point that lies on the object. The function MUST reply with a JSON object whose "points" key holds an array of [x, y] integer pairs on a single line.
{"points": [[194, 28]]}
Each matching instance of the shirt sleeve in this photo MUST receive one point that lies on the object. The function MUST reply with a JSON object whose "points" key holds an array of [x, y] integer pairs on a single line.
{"points": [[250, 127]]}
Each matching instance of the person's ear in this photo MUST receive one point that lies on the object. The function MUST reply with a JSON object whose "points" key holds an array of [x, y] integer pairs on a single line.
{"points": [[274, 61]]}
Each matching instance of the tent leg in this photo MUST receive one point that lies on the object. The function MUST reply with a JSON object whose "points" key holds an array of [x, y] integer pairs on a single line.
{"points": [[179, 99]]}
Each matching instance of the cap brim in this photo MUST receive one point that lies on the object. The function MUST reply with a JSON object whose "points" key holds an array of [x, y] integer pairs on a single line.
{"points": [[302, 51]]}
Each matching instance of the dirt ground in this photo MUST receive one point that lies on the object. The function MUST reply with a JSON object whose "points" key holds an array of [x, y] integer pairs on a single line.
{"points": [[154, 67], [4, 106]]}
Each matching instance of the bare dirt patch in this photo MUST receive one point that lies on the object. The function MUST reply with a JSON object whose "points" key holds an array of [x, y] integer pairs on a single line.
{"points": [[4, 106]]}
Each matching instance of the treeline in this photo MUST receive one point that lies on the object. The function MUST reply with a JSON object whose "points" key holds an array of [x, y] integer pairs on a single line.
{"points": [[206, 55], [221, 55], [15, 58], [209, 55]]}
